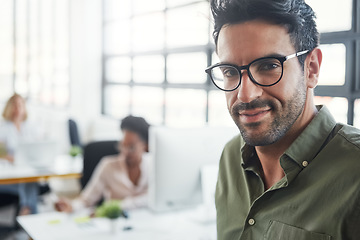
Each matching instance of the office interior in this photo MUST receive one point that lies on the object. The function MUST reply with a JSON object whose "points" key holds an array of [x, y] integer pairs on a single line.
{"points": [[97, 61]]}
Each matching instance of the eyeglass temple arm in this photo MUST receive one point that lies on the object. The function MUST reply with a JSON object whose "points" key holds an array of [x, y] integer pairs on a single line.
{"points": [[297, 54]]}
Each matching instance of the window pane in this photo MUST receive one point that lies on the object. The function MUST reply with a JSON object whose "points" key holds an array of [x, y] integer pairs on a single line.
{"points": [[117, 101], [357, 113], [148, 103], [337, 106], [61, 39], [115, 9], [218, 112], [174, 3], [149, 69], [336, 16], [46, 96], [6, 87], [35, 87], [117, 37], [34, 52], [6, 45], [21, 52], [332, 71], [186, 68], [190, 30], [148, 32], [185, 107], [61, 95], [118, 69], [143, 6]]}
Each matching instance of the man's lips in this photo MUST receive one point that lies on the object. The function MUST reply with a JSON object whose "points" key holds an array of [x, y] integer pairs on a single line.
{"points": [[255, 115]]}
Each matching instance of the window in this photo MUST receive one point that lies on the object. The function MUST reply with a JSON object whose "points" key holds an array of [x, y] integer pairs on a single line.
{"points": [[154, 61], [357, 113], [35, 50], [6, 49], [154, 64], [339, 83]]}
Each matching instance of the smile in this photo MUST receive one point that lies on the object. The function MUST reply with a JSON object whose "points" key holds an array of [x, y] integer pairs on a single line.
{"points": [[251, 116]]}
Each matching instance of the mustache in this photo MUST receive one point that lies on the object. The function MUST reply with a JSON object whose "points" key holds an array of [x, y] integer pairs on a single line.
{"points": [[251, 105]]}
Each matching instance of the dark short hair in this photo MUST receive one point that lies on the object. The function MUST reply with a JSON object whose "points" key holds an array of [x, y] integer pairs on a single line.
{"points": [[137, 125], [295, 15]]}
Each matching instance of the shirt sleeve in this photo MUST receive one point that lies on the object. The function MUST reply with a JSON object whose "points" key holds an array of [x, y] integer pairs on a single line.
{"points": [[94, 190]]}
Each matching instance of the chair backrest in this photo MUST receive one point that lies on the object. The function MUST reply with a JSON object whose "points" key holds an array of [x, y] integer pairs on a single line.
{"points": [[93, 152], [74, 133], [8, 200]]}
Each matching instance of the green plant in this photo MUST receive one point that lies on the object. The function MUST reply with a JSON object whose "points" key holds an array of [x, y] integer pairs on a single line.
{"points": [[110, 209], [75, 150]]}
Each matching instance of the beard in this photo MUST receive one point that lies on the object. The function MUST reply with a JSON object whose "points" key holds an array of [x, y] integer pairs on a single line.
{"points": [[281, 123]]}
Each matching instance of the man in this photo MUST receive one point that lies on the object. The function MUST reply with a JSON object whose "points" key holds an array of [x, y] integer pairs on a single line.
{"points": [[123, 177], [294, 172]]}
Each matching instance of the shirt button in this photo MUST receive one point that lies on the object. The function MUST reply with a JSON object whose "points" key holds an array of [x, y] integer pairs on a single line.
{"points": [[305, 163], [251, 221]]}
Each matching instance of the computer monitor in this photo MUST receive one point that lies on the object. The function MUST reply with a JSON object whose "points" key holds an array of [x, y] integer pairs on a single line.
{"points": [[178, 157], [36, 154]]}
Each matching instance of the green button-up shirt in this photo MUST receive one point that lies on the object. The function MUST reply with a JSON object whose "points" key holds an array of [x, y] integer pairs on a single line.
{"points": [[318, 198]]}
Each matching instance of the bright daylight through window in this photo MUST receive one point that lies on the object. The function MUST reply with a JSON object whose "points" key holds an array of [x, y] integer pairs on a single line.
{"points": [[154, 60]]}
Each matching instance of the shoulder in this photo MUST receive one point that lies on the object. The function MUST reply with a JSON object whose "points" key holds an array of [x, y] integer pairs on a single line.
{"points": [[350, 135], [5, 123], [6, 126], [231, 155], [109, 162], [234, 145]]}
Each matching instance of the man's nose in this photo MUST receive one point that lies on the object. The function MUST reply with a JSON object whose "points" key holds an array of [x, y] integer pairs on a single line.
{"points": [[248, 90]]}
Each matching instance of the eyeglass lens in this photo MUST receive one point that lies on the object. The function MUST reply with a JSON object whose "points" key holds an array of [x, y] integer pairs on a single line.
{"points": [[265, 72]]}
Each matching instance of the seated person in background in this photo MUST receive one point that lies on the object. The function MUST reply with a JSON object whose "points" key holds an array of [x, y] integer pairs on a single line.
{"points": [[122, 177], [13, 129]]}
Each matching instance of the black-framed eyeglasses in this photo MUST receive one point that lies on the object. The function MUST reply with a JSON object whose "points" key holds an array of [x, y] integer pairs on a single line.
{"points": [[265, 72]]}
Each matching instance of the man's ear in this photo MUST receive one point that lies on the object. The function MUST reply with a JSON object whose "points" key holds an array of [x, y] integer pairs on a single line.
{"points": [[312, 67]]}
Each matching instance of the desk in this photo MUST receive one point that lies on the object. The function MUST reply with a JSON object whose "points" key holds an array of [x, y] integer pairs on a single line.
{"points": [[145, 224], [64, 167]]}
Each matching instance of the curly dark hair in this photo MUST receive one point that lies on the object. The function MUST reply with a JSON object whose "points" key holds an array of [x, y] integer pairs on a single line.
{"points": [[295, 15]]}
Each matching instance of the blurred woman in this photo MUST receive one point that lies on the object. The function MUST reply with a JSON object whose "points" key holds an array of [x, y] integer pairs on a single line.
{"points": [[14, 129], [122, 177]]}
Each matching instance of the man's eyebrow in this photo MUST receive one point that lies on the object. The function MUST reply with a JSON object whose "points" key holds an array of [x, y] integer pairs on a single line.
{"points": [[272, 55], [276, 55]]}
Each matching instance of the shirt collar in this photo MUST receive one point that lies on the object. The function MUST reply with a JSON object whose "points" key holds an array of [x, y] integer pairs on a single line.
{"points": [[306, 146], [311, 140]]}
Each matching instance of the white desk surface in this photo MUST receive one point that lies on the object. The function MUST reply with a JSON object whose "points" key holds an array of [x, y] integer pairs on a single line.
{"points": [[63, 166], [145, 224]]}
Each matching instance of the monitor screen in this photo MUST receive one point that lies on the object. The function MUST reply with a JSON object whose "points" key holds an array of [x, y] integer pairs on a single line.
{"points": [[178, 157]]}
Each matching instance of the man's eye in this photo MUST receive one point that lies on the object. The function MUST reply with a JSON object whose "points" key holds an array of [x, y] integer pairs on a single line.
{"points": [[266, 65], [230, 72]]}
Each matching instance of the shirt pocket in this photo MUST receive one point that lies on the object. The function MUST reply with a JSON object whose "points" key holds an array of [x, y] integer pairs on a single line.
{"points": [[282, 231]]}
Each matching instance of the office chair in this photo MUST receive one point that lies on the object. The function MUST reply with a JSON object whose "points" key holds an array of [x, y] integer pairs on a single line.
{"points": [[74, 133], [9, 200], [93, 152]]}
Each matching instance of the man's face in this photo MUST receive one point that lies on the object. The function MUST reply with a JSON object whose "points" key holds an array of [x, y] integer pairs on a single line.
{"points": [[263, 114], [132, 147]]}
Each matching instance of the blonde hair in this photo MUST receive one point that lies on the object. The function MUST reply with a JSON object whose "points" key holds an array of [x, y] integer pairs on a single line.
{"points": [[9, 107]]}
